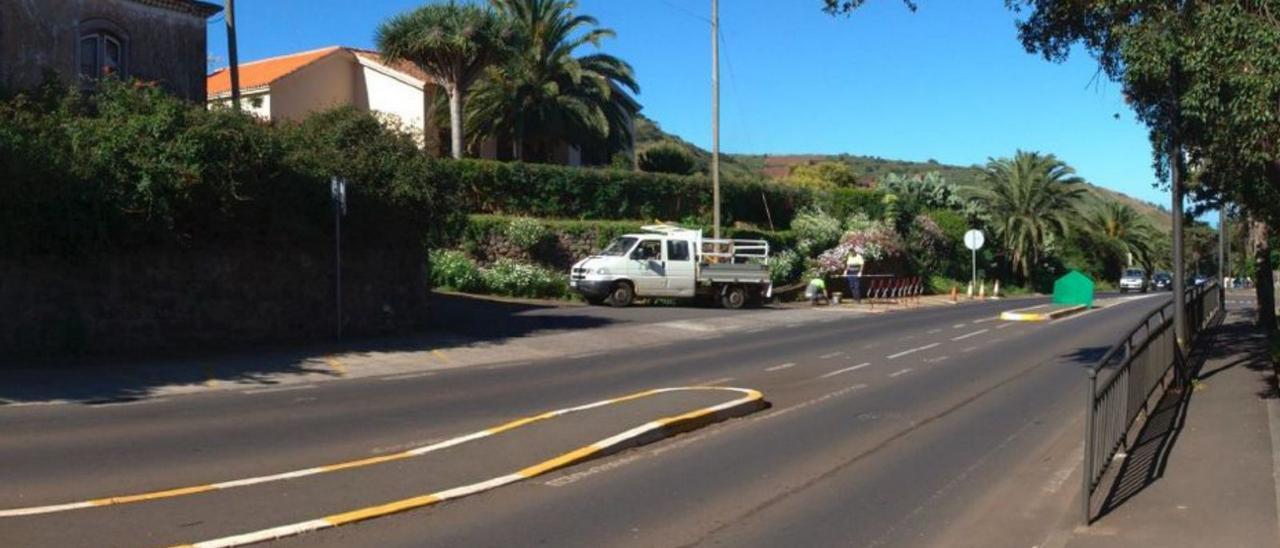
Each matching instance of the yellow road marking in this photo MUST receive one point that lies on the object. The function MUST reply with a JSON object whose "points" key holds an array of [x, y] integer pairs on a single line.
{"points": [[440, 355], [336, 365]]}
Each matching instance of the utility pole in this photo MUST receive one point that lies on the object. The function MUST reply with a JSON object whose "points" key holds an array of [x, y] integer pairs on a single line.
{"points": [[229, 15], [715, 118], [1222, 247]]}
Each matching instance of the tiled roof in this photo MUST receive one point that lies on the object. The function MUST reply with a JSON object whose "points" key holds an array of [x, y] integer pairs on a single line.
{"points": [[194, 7], [262, 73], [401, 65]]}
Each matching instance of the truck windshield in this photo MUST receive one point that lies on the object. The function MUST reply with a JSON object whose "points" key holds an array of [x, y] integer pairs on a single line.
{"points": [[619, 247], [1133, 273]]}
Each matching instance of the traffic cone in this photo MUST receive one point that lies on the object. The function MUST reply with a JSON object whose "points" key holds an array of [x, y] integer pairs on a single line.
{"points": [[982, 290], [953, 293], [995, 292], [970, 291]]}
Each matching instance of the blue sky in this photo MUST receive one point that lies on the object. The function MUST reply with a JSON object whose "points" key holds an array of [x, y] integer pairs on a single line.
{"points": [[949, 82]]}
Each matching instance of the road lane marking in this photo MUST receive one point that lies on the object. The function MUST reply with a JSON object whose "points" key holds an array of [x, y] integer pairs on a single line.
{"points": [[845, 370], [750, 396], [970, 349], [911, 351], [407, 376], [831, 355], [612, 443], [957, 326], [967, 335], [279, 389], [985, 320], [900, 372], [938, 359], [1004, 325], [932, 331], [780, 367], [717, 381]]}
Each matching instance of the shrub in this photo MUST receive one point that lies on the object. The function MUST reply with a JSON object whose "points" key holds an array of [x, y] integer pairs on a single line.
{"points": [[843, 203], [455, 270], [667, 157], [526, 232], [785, 267], [815, 231], [511, 278]]}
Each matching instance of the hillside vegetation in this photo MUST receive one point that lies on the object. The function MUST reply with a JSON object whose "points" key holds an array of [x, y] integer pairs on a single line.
{"points": [[870, 170]]}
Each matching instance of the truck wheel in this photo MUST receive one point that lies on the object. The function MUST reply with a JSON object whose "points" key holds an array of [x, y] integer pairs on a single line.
{"points": [[622, 295], [734, 297]]}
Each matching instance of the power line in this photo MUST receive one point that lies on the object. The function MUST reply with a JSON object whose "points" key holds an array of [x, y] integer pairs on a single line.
{"points": [[686, 11]]}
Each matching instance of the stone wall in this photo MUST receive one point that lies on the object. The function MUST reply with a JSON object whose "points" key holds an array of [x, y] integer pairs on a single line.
{"points": [[165, 300], [558, 251], [164, 41]]}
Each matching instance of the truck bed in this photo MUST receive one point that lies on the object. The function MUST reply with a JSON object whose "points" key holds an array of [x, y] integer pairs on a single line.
{"points": [[733, 272]]}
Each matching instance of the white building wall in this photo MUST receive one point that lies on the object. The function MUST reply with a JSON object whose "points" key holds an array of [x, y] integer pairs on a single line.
{"points": [[396, 99]]}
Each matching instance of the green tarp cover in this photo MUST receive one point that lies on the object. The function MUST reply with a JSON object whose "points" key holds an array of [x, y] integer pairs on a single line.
{"points": [[1072, 289]]}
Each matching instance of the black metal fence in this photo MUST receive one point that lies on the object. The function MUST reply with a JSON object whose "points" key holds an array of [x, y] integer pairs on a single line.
{"points": [[1132, 376]]}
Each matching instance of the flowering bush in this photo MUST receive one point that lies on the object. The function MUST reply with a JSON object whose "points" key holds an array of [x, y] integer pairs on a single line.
{"points": [[508, 277], [815, 230], [455, 270], [876, 242], [526, 232]]}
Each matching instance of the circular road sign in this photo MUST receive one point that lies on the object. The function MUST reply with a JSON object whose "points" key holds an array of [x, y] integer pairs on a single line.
{"points": [[973, 239]]}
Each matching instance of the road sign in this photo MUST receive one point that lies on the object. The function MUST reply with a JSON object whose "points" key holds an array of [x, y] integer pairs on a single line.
{"points": [[973, 239]]}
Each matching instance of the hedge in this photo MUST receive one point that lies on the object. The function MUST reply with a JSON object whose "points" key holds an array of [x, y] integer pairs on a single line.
{"points": [[129, 166], [571, 192]]}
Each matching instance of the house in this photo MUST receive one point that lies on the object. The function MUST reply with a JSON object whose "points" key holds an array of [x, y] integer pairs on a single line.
{"points": [[290, 87], [161, 41]]}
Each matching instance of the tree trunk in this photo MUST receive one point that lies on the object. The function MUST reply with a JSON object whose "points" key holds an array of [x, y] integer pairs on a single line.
{"points": [[1260, 246], [455, 120]]}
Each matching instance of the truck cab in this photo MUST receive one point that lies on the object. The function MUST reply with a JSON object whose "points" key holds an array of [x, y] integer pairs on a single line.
{"points": [[667, 261]]}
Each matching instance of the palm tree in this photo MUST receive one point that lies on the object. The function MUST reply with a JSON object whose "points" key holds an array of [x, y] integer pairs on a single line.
{"points": [[1126, 229], [453, 44], [1031, 200], [544, 95]]}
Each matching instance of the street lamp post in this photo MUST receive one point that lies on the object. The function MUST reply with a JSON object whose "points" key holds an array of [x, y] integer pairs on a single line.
{"points": [[715, 118]]}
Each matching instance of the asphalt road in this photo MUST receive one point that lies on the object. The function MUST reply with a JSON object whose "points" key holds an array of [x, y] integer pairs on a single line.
{"points": [[939, 426]]}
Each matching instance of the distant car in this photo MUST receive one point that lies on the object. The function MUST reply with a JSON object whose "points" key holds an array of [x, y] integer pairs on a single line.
{"points": [[1162, 281], [1133, 280]]}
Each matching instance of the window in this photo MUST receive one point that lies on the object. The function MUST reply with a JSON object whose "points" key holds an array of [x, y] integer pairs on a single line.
{"points": [[648, 250], [101, 54], [677, 250]]}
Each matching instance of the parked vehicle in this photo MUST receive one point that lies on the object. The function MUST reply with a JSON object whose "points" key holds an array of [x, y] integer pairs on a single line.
{"points": [[667, 261], [1200, 279], [1162, 281], [1133, 279]]}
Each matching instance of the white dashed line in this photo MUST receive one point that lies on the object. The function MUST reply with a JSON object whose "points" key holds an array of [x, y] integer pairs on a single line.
{"points": [[913, 350], [1004, 325], [970, 349], [957, 326], [279, 389], [831, 355], [780, 367], [932, 331], [967, 335], [845, 370], [717, 381], [984, 320], [900, 373]]}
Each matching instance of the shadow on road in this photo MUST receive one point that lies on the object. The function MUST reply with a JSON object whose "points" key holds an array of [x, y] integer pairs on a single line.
{"points": [[456, 321]]}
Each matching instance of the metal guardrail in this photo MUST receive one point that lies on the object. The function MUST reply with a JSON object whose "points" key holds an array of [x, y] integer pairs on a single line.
{"points": [[1135, 369]]}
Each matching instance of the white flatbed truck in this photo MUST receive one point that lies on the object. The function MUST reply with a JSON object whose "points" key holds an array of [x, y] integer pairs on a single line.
{"points": [[665, 261]]}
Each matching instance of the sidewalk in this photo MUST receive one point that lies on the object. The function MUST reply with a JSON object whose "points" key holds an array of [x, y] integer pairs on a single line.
{"points": [[1203, 471]]}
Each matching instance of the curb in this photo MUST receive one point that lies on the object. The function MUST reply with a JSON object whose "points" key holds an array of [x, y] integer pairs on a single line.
{"points": [[1024, 316], [751, 401]]}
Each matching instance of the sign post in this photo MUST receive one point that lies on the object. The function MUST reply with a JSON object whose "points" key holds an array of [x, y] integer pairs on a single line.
{"points": [[973, 240], [338, 190]]}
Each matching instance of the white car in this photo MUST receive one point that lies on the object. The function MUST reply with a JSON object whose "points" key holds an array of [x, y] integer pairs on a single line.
{"points": [[1133, 280]]}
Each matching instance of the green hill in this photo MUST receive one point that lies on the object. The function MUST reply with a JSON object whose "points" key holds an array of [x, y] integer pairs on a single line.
{"points": [[870, 169]]}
